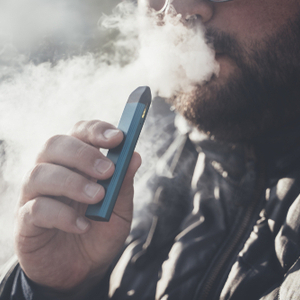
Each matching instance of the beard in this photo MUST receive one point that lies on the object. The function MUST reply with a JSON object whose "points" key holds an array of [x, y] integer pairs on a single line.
{"points": [[260, 96]]}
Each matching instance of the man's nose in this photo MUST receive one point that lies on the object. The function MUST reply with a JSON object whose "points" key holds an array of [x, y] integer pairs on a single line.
{"points": [[203, 9]]}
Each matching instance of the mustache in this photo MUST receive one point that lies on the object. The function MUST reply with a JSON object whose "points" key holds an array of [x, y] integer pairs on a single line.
{"points": [[223, 42]]}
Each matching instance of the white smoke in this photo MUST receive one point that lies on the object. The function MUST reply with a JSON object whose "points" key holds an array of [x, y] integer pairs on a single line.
{"points": [[38, 100]]}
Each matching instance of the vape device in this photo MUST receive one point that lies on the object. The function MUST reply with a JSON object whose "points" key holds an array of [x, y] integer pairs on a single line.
{"points": [[131, 123]]}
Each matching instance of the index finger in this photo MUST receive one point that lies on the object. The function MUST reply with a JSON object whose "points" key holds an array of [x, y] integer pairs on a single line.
{"points": [[97, 133]]}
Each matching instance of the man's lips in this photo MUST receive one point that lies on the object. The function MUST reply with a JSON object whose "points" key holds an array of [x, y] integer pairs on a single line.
{"points": [[219, 54]]}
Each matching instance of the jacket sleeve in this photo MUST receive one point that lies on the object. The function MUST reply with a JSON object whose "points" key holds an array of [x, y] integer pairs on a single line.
{"points": [[15, 285]]}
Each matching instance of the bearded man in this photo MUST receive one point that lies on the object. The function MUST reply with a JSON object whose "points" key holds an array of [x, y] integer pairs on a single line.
{"points": [[225, 221]]}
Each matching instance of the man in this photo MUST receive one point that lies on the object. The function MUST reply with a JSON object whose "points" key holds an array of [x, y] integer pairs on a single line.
{"points": [[226, 216]]}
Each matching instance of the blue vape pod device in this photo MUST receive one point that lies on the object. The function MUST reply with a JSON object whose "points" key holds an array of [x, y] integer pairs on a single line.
{"points": [[131, 123]]}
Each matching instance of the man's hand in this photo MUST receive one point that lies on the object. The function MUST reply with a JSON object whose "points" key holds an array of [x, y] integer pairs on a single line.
{"points": [[56, 245]]}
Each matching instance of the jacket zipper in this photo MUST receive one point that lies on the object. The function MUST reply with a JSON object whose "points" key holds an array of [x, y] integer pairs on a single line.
{"points": [[219, 268]]}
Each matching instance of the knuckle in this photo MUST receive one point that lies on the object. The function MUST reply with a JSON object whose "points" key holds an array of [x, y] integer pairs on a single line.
{"points": [[96, 124], [83, 127], [53, 141], [99, 126], [82, 152], [36, 173], [77, 127], [35, 208], [30, 183], [79, 124], [71, 182], [95, 127], [93, 123], [49, 148], [62, 216], [31, 211]]}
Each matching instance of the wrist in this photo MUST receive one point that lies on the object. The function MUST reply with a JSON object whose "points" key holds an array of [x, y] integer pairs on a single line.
{"points": [[93, 288]]}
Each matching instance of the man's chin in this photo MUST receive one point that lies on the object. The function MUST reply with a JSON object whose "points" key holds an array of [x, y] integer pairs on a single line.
{"points": [[256, 91], [222, 111]]}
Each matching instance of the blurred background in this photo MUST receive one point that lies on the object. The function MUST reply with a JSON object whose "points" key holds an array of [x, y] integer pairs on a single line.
{"points": [[50, 30], [35, 35]]}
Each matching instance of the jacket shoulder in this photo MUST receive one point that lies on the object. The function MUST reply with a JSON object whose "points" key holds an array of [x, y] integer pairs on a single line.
{"points": [[7, 276]]}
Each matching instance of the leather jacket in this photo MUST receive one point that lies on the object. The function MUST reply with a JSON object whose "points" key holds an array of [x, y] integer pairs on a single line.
{"points": [[224, 223], [236, 237]]}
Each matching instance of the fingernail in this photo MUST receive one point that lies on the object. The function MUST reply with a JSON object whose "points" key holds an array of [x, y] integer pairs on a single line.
{"points": [[102, 165], [109, 133], [91, 189], [82, 223]]}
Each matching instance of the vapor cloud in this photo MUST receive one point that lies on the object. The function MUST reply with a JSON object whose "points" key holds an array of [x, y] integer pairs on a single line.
{"points": [[60, 70]]}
